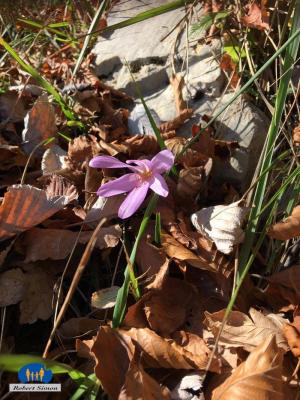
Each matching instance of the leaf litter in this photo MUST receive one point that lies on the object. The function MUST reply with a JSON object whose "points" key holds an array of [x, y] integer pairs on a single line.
{"points": [[164, 346]]}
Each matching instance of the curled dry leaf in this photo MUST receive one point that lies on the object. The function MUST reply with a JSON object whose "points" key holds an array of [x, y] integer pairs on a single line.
{"points": [[177, 122], [166, 353], [177, 83], [53, 160], [190, 182], [80, 151], [191, 158], [141, 386], [287, 229], [105, 298], [57, 244], [293, 338], [258, 378], [257, 17], [16, 211], [39, 124], [222, 224], [245, 332], [176, 250]]}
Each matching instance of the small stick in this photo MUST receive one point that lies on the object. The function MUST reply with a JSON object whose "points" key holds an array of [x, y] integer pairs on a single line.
{"points": [[80, 269]]}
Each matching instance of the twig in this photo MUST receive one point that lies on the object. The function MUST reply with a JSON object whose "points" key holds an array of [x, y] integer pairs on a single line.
{"points": [[80, 269]]}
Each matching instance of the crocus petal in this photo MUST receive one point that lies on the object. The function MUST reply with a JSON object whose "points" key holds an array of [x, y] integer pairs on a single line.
{"points": [[133, 201], [159, 186], [162, 162], [123, 184], [108, 162]]}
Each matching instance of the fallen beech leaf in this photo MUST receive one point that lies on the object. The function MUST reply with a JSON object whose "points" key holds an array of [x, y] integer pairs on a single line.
{"points": [[57, 244], [296, 135], [105, 298], [53, 160], [245, 332], [114, 148], [39, 124], [177, 83], [141, 145], [191, 158], [190, 182], [287, 229], [77, 327], [166, 309], [12, 107], [222, 224], [141, 386], [288, 277], [37, 302], [11, 156], [166, 353], [80, 151], [257, 17], [258, 378], [12, 287], [113, 353], [25, 206], [176, 250], [293, 338], [231, 68]]}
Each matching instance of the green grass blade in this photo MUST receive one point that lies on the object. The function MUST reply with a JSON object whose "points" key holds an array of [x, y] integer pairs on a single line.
{"points": [[39, 79], [153, 12], [293, 37], [207, 21], [157, 230], [51, 27], [87, 39], [90, 393], [13, 362], [290, 57], [120, 306]]}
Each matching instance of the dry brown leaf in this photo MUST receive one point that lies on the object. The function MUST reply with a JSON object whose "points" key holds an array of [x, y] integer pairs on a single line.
{"points": [[190, 182], [222, 224], [11, 156], [113, 353], [12, 107], [104, 207], [176, 250], [257, 17], [37, 302], [12, 287], [227, 65], [296, 135], [141, 386], [293, 338], [166, 353], [34, 289], [191, 158], [139, 144], [287, 229], [57, 244], [258, 378], [245, 332], [166, 309], [80, 151], [289, 277], [39, 124], [177, 83], [25, 206]]}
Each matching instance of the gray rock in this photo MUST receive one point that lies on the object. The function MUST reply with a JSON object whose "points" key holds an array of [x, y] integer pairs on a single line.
{"points": [[145, 48], [138, 121]]}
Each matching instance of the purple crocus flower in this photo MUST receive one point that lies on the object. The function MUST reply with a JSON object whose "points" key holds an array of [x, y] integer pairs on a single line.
{"points": [[146, 174]]}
